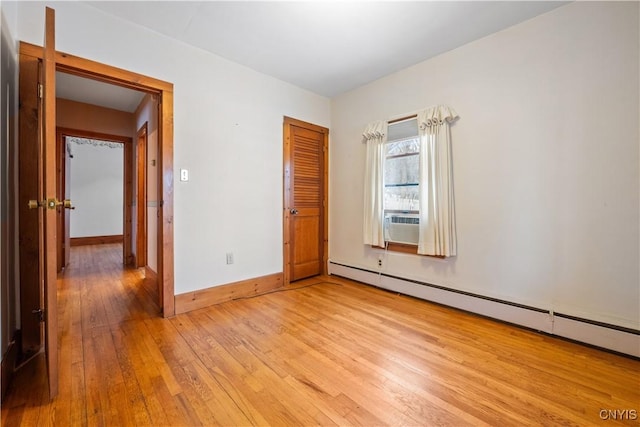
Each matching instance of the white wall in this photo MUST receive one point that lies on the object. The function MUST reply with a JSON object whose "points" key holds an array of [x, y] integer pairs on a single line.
{"points": [[96, 190], [227, 132], [545, 163], [10, 12]]}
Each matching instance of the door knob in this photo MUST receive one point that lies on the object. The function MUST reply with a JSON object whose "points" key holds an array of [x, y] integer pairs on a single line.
{"points": [[54, 203], [294, 211], [35, 204]]}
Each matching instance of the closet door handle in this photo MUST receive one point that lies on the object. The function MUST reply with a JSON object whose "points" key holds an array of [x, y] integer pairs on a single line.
{"points": [[294, 211]]}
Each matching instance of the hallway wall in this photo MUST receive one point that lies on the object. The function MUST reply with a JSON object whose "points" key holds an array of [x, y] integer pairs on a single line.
{"points": [[96, 172]]}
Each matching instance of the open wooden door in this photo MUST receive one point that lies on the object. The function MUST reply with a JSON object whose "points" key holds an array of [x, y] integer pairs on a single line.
{"points": [[38, 203], [48, 131]]}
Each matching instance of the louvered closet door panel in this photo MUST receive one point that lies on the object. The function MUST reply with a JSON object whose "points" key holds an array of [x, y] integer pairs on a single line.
{"points": [[307, 180]]}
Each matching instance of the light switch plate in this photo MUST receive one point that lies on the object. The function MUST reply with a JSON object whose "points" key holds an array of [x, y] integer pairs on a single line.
{"points": [[184, 175]]}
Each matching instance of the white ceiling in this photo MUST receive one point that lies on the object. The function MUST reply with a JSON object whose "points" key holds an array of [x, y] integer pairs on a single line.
{"points": [[97, 93], [327, 47]]}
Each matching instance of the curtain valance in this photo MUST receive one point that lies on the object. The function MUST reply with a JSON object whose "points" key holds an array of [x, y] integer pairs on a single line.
{"points": [[436, 116], [71, 140], [375, 130], [94, 142]]}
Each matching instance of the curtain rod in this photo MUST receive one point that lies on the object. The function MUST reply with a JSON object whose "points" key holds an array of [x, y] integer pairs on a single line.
{"points": [[413, 116]]}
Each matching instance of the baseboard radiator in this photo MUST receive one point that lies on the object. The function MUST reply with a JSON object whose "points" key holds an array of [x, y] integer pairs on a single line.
{"points": [[610, 337]]}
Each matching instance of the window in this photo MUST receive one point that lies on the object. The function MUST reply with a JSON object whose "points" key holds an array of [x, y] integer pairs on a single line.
{"points": [[401, 198], [408, 192]]}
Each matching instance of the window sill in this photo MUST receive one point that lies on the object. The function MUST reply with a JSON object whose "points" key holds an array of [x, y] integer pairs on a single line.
{"points": [[408, 249]]}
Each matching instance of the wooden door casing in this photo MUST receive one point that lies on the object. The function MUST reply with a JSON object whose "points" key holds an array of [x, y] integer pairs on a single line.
{"points": [[61, 168], [67, 212], [306, 206], [141, 198]]}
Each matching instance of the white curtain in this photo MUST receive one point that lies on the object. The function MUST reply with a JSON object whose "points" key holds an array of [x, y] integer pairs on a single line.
{"points": [[437, 211], [375, 136]]}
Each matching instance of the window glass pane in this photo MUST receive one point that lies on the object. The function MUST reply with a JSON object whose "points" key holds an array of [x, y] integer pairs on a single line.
{"points": [[405, 146], [401, 198], [402, 174], [401, 170]]}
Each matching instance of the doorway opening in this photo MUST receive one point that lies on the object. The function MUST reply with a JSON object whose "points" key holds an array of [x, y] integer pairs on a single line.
{"points": [[94, 172], [157, 104], [131, 119]]}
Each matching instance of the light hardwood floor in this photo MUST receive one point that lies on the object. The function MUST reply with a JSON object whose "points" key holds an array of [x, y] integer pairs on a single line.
{"points": [[327, 351]]}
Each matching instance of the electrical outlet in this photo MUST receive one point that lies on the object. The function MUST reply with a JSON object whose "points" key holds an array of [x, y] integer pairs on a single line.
{"points": [[229, 257], [184, 175], [379, 262]]}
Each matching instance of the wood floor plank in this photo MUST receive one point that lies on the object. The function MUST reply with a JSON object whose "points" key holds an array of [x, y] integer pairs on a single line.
{"points": [[228, 378], [321, 351], [145, 371], [78, 413], [135, 399]]}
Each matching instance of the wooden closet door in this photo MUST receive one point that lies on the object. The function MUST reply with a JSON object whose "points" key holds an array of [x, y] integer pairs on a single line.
{"points": [[306, 199]]}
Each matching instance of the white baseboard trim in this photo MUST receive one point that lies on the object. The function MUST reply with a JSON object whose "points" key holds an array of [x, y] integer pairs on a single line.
{"points": [[610, 337]]}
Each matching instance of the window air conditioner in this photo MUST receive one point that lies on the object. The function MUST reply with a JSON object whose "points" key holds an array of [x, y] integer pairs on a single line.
{"points": [[401, 228]]}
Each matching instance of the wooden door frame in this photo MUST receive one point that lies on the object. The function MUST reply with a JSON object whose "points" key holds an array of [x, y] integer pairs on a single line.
{"points": [[127, 178], [141, 195], [108, 74], [61, 180], [288, 122]]}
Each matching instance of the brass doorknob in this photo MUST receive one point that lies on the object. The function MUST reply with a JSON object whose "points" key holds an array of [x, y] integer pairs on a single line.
{"points": [[34, 204], [66, 203], [51, 204]]}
